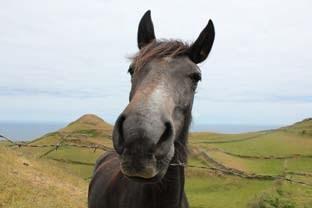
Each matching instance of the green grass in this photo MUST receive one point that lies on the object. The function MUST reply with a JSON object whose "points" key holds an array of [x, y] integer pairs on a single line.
{"points": [[50, 138], [75, 154], [263, 167], [303, 128], [26, 182], [232, 192], [220, 192], [69, 157], [79, 170], [283, 195], [299, 165], [209, 137], [276, 143]]}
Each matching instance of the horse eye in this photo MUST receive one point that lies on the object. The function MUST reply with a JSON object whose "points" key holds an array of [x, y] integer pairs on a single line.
{"points": [[131, 70], [195, 77]]}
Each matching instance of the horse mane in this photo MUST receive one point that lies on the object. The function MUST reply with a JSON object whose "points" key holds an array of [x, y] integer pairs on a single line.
{"points": [[159, 49]]}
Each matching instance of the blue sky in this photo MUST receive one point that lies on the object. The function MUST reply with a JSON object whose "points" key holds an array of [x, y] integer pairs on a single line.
{"points": [[61, 59]]}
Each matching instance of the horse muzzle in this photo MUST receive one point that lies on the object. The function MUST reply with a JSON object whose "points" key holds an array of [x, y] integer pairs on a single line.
{"points": [[141, 168]]}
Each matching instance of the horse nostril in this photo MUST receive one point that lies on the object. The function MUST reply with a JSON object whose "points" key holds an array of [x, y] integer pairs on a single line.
{"points": [[118, 138], [167, 133], [163, 141]]}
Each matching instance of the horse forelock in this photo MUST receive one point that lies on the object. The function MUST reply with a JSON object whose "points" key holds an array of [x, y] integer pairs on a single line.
{"points": [[159, 49]]}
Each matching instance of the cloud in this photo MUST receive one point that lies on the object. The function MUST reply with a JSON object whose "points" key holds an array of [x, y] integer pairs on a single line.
{"points": [[75, 93], [66, 58]]}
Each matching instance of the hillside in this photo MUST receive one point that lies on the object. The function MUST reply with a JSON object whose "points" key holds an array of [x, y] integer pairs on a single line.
{"points": [[27, 182], [303, 127], [265, 152], [88, 128], [284, 152], [218, 163], [72, 154]]}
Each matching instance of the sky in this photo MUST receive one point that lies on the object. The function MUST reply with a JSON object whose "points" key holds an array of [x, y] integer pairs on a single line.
{"points": [[62, 59]]}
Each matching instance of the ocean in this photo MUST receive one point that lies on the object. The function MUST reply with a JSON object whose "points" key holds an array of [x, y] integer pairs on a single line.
{"points": [[25, 131]]}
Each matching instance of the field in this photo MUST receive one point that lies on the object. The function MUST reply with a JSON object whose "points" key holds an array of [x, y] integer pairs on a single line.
{"points": [[256, 170]]}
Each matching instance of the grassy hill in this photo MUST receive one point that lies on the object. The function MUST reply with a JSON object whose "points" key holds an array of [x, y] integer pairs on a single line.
{"points": [[87, 129], [26, 182], [284, 152], [303, 127]]}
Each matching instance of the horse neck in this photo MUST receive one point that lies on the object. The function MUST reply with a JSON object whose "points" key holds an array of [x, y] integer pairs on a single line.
{"points": [[172, 185], [170, 190]]}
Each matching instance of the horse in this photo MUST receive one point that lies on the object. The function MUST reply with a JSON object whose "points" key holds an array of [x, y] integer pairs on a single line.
{"points": [[146, 170]]}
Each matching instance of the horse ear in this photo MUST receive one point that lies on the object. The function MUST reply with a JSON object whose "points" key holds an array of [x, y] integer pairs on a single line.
{"points": [[200, 49], [146, 30]]}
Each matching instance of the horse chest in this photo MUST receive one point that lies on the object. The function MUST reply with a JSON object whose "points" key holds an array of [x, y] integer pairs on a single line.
{"points": [[111, 189], [147, 196]]}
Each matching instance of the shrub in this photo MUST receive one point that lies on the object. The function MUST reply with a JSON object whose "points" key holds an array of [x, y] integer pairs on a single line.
{"points": [[275, 200]]}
